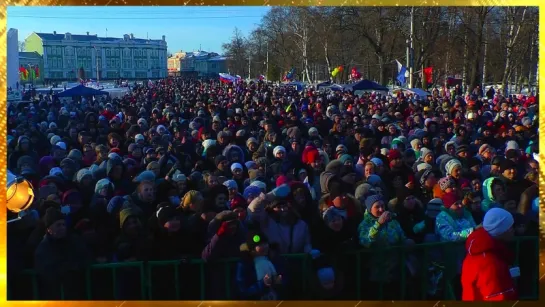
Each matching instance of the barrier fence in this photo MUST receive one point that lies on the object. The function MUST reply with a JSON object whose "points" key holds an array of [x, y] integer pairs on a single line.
{"points": [[176, 279]]}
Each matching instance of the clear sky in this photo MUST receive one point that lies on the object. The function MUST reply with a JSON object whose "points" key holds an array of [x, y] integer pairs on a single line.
{"points": [[185, 28]]}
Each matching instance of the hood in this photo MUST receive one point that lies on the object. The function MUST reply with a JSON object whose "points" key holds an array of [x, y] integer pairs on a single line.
{"points": [[487, 189], [325, 178], [229, 148], [480, 243], [111, 163], [334, 166]]}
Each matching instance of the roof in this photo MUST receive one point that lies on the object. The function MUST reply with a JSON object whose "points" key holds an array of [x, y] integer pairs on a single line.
{"points": [[218, 58], [93, 38], [33, 54]]}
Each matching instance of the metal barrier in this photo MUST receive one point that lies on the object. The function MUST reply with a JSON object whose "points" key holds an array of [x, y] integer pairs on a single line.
{"points": [[424, 251]]}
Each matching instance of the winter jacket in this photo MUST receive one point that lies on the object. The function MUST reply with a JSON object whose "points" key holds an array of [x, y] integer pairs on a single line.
{"points": [[488, 201], [485, 271]]}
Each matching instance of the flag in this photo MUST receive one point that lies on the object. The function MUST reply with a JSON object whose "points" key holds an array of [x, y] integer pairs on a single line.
{"points": [[32, 73], [37, 71], [261, 77], [401, 72], [23, 72], [428, 71], [290, 74]]}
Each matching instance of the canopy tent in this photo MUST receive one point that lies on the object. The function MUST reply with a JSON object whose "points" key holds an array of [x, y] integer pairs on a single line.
{"points": [[298, 85], [365, 85], [81, 90], [323, 85], [416, 91]]}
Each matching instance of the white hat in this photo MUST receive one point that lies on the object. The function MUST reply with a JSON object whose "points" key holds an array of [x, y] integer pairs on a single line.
{"points": [[61, 145], [235, 166], [278, 149], [497, 221], [139, 137]]}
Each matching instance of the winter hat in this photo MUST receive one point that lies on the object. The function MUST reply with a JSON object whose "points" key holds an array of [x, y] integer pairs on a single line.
{"points": [[235, 166], [451, 165], [371, 200], [51, 216], [281, 191], [282, 180], [332, 212], [259, 184], [251, 191], [67, 162], [423, 175], [345, 158], [75, 155], [461, 149], [251, 140], [115, 204], [423, 166], [394, 154], [103, 184], [219, 159], [278, 149], [55, 139], [434, 207], [310, 155], [250, 164], [374, 180], [231, 184], [139, 137], [208, 143], [446, 182], [82, 173], [341, 148], [179, 177], [449, 199], [497, 221], [126, 213], [424, 152], [507, 164], [415, 143], [511, 145], [238, 202], [377, 162], [145, 176], [61, 145], [55, 171], [484, 148]]}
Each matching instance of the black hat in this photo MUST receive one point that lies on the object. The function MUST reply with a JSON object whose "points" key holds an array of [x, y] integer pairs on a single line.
{"points": [[51, 216], [165, 213], [507, 164], [497, 160], [462, 148]]}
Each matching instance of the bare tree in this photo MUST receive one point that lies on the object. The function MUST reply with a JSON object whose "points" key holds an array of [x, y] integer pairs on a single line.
{"points": [[515, 17]]}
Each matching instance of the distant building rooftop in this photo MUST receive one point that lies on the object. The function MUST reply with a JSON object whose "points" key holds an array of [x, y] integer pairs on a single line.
{"points": [[93, 38]]}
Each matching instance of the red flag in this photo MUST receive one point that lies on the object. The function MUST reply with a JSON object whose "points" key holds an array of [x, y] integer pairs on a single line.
{"points": [[428, 74]]}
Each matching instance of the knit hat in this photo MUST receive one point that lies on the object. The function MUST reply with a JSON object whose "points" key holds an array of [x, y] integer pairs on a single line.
{"points": [[310, 155], [497, 221], [67, 162], [446, 182], [235, 166], [451, 165], [377, 162], [394, 154], [461, 149], [145, 176], [75, 155], [507, 164], [281, 180], [219, 159], [178, 177], [139, 137], [115, 204], [278, 149], [55, 139], [423, 166], [251, 191], [259, 184], [449, 199], [250, 164], [281, 191], [332, 212], [126, 213], [55, 171], [251, 140], [371, 200], [484, 148], [434, 207], [231, 184], [238, 202], [51, 216], [102, 184], [424, 152], [423, 175], [511, 145]]}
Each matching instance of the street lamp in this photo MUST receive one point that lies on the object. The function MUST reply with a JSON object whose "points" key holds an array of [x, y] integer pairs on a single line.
{"points": [[96, 62]]}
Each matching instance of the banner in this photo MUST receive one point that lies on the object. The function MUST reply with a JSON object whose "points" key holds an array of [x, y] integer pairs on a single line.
{"points": [[428, 74]]}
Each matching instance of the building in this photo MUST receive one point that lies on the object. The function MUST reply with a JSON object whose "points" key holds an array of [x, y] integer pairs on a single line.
{"points": [[34, 61], [175, 63], [12, 58], [70, 57], [203, 64]]}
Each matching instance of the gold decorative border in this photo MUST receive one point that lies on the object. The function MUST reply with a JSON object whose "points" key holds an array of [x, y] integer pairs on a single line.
{"points": [[3, 145]]}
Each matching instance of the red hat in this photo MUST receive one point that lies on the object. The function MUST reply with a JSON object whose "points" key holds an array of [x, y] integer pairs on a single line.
{"points": [[310, 155], [238, 202], [281, 180], [449, 199], [394, 154]]}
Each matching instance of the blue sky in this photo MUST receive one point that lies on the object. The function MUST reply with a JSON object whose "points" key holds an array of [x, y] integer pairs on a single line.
{"points": [[185, 28]]}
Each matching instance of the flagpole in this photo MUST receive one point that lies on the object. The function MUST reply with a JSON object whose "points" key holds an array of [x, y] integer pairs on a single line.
{"points": [[411, 68]]}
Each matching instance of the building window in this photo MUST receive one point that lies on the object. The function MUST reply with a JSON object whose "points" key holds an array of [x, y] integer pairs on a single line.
{"points": [[107, 52]]}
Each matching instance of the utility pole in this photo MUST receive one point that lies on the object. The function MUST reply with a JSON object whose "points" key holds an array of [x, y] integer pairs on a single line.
{"points": [[267, 76], [411, 68]]}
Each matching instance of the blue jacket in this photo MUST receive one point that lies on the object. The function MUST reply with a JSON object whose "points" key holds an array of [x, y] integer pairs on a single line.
{"points": [[251, 288]]}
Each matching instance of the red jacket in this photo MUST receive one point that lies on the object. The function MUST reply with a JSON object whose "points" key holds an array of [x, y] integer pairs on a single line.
{"points": [[485, 271]]}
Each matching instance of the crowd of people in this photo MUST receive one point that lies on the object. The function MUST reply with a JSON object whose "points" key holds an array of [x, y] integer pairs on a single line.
{"points": [[199, 169]]}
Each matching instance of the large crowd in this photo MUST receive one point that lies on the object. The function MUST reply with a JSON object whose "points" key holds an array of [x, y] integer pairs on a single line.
{"points": [[185, 169]]}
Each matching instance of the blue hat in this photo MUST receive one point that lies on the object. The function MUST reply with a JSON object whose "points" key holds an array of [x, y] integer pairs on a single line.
{"points": [[371, 200]]}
